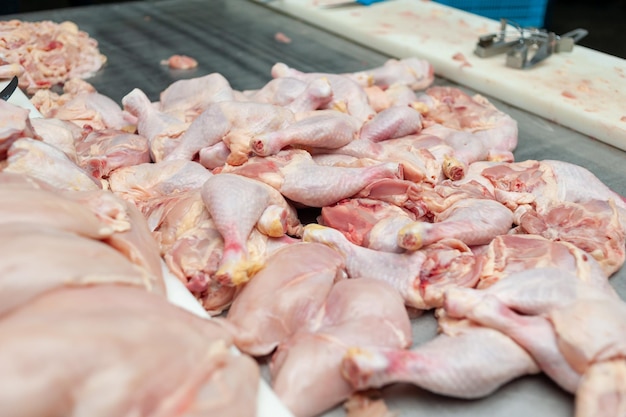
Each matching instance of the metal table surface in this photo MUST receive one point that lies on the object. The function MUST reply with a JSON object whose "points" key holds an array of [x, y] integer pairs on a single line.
{"points": [[236, 38]]}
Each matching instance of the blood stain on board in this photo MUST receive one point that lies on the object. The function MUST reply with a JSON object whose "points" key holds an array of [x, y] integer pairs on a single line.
{"points": [[461, 58], [409, 13], [584, 86], [622, 119], [567, 94]]}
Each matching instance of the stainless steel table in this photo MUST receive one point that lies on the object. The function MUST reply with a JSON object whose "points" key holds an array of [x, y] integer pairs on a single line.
{"points": [[236, 38]]}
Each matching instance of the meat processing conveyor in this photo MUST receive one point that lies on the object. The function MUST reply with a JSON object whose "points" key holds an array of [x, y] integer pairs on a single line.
{"points": [[237, 38]]}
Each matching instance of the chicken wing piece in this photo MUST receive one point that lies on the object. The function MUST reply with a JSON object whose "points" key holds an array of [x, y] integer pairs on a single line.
{"points": [[521, 307], [138, 245], [591, 330], [115, 350], [532, 332], [284, 297]]}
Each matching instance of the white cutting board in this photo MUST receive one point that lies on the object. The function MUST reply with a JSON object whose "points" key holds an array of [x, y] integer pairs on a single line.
{"points": [[583, 89]]}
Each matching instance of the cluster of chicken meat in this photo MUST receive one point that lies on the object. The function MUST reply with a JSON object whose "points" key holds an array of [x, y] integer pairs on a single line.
{"points": [[418, 205], [44, 54]]}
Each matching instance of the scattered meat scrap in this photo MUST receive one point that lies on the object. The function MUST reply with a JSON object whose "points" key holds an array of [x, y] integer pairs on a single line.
{"points": [[181, 62], [282, 38], [461, 58]]}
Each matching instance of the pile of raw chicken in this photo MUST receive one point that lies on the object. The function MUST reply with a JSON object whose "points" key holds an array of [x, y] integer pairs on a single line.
{"points": [[419, 206], [44, 54]]}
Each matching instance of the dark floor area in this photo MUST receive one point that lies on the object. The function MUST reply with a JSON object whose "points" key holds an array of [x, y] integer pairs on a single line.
{"points": [[602, 18]]}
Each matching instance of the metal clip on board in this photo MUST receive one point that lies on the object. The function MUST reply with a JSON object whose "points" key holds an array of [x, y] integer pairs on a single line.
{"points": [[526, 47]]}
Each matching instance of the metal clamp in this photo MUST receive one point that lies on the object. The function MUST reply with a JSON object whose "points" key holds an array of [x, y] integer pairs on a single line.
{"points": [[526, 47]]}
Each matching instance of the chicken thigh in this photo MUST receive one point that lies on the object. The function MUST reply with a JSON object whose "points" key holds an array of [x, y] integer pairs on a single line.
{"points": [[284, 297], [360, 312]]}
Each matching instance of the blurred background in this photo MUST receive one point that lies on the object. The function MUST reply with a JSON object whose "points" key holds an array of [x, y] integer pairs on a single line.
{"points": [[602, 18]]}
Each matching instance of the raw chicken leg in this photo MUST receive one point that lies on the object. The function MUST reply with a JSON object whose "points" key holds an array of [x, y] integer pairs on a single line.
{"points": [[318, 186], [329, 129], [236, 204], [472, 221], [284, 297], [235, 123], [421, 277], [412, 152], [394, 122], [294, 173], [472, 364]]}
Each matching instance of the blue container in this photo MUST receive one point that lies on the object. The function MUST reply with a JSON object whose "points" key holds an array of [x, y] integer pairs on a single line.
{"points": [[525, 13]]}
